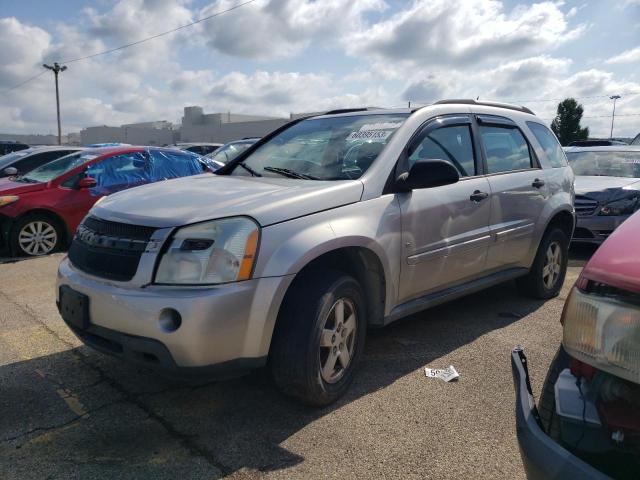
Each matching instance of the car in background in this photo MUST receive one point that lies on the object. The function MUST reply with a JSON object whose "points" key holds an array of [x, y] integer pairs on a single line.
{"points": [[23, 161], [199, 148], [607, 189], [7, 146], [108, 144], [229, 151], [596, 143], [588, 422], [40, 211]]}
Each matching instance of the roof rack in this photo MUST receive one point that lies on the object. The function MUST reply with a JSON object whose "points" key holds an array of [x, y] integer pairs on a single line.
{"points": [[345, 110], [467, 101]]}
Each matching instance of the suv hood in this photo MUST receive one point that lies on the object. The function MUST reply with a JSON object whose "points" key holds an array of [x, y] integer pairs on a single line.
{"points": [[188, 200], [603, 188], [9, 187]]}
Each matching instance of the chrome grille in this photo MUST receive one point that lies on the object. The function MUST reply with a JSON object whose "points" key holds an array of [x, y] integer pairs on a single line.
{"points": [[109, 249], [585, 205]]}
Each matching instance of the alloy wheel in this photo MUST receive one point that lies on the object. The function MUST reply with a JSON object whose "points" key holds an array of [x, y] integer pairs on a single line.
{"points": [[552, 265], [37, 238], [337, 341]]}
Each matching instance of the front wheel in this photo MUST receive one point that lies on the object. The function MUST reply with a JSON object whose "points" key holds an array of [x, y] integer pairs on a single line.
{"points": [[549, 268], [36, 235], [319, 337]]}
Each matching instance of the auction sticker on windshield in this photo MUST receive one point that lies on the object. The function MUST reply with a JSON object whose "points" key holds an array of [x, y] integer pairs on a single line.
{"points": [[374, 131]]}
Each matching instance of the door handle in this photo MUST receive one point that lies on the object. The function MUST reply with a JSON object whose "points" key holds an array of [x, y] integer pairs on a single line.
{"points": [[537, 183], [478, 196]]}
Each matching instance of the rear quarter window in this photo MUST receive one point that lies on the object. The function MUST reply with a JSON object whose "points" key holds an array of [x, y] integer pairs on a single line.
{"points": [[549, 143]]}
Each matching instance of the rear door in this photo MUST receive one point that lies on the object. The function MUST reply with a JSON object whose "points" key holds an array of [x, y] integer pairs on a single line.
{"points": [[445, 230], [518, 190]]}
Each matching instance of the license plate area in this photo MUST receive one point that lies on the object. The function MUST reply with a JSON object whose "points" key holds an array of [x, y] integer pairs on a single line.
{"points": [[74, 307]]}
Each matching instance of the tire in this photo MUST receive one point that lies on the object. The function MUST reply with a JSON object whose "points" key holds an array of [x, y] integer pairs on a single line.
{"points": [[46, 234], [543, 283], [313, 353]]}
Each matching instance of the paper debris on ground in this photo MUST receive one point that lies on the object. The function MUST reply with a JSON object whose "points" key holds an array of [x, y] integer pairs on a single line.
{"points": [[446, 374]]}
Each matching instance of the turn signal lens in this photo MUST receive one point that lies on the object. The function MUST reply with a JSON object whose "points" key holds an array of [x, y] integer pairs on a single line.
{"points": [[8, 199]]}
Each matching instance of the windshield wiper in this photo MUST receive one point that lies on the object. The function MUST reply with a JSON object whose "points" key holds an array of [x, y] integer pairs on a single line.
{"points": [[290, 173], [24, 179], [249, 169]]}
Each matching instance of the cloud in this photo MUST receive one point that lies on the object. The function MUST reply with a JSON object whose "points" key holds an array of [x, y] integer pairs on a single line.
{"points": [[281, 28], [628, 56], [21, 48], [463, 32], [280, 93]]}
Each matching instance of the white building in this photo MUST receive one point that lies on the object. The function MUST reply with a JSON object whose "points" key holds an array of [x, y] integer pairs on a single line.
{"points": [[224, 127], [146, 133]]}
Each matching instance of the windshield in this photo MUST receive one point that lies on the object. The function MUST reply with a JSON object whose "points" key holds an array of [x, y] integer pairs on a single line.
{"points": [[58, 167], [336, 148], [609, 164], [229, 151]]}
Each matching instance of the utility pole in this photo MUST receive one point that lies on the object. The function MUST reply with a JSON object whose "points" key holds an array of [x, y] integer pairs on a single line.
{"points": [[613, 117], [56, 69]]}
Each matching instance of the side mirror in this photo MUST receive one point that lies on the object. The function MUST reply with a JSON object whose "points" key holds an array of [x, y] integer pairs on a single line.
{"points": [[428, 173], [87, 182], [10, 171]]}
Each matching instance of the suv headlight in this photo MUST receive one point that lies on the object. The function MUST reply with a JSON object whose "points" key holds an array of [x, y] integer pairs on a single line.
{"points": [[624, 206], [218, 251], [603, 332]]}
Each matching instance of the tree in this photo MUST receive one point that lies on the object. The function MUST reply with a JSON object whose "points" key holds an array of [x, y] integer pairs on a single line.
{"points": [[566, 125]]}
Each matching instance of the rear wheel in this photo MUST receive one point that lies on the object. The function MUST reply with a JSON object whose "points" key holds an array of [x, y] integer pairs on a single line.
{"points": [[36, 235], [549, 268], [319, 337]]}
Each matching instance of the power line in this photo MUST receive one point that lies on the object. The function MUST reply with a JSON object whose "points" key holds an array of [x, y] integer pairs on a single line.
{"points": [[158, 35], [138, 42], [23, 82]]}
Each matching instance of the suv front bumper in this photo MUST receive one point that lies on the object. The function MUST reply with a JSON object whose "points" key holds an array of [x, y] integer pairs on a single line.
{"points": [[596, 228], [225, 329], [542, 457]]}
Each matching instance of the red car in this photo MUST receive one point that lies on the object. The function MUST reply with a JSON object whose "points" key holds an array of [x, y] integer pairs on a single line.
{"points": [[40, 211], [588, 422]]}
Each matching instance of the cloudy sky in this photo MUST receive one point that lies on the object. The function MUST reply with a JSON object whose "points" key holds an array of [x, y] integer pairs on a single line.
{"points": [[274, 57]]}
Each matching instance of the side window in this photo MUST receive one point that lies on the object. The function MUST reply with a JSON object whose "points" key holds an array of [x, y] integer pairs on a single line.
{"points": [[448, 143], [118, 172], [549, 144], [506, 149], [165, 164], [38, 160]]}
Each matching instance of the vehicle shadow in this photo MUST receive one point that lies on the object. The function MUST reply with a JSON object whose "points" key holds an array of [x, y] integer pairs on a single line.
{"points": [[123, 413], [580, 253]]}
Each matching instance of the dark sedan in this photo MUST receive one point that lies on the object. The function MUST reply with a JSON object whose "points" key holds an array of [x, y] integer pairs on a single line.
{"points": [[588, 423], [23, 161], [607, 189]]}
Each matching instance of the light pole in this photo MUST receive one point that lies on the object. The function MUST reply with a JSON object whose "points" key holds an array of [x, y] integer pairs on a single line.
{"points": [[613, 117], [56, 69]]}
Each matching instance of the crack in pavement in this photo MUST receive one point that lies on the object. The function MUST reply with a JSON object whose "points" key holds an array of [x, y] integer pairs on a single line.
{"points": [[60, 425], [185, 440]]}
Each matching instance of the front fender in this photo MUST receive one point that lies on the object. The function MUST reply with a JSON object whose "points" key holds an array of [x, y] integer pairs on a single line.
{"points": [[286, 248]]}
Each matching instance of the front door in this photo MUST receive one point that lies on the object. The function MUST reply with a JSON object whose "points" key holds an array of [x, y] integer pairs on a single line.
{"points": [[445, 230]]}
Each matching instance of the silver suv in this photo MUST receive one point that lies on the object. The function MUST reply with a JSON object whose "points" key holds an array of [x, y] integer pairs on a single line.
{"points": [[327, 226]]}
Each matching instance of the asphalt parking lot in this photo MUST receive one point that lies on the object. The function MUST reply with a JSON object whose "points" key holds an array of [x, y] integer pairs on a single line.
{"points": [[68, 412]]}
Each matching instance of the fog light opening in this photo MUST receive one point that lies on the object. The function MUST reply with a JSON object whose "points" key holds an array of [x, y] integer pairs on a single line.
{"points": [[169, 320]]}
